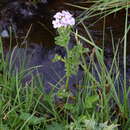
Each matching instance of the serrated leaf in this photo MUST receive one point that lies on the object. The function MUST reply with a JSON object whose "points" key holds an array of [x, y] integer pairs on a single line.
{"points": [[64, 37]]}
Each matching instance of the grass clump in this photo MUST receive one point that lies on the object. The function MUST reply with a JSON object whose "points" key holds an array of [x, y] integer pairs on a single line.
{"points": [[26, 106]]}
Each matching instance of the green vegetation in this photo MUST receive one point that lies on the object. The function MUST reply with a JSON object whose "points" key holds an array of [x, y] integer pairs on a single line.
{"points": [[97, 105]]}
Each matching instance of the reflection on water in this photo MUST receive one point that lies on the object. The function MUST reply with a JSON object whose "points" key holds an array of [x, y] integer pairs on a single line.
{"points": [[51, 73]]}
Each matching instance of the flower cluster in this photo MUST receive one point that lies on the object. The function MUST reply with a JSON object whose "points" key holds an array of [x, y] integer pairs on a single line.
{"points": [[63, 19]]}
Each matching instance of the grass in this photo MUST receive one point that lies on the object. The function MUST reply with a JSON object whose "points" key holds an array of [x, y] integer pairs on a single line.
{"points": [[97, 105]]}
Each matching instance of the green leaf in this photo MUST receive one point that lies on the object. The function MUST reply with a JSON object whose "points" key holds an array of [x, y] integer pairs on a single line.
{"points": [[55, 126], [4, 127], [72, 61], [69, 107], [63, 93], [31, 119], [56, 58], [64, 37], [89, 101]]}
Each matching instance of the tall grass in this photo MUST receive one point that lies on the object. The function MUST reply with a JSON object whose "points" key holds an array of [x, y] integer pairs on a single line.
{"points": [[103, 9], [28, 107]]}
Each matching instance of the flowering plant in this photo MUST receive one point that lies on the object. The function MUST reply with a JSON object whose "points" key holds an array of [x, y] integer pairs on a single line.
{"points": [[63, 22], [63, 19]]}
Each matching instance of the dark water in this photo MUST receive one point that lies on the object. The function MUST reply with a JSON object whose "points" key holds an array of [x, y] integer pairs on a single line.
{"points": [[33, 34]]}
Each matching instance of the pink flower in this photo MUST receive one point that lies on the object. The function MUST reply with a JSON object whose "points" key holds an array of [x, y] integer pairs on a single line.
{"points": [[63, 19]]}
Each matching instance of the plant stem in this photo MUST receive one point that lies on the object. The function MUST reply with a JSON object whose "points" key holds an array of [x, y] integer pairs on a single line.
{"points": [[67, 82], [125, 46], [67, 77]]}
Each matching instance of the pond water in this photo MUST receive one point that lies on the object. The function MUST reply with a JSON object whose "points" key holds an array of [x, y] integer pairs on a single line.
{"points": [[33, 34]]}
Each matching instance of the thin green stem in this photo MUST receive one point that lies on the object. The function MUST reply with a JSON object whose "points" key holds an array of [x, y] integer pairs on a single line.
{"points": [[67, 77], [125, 45]]}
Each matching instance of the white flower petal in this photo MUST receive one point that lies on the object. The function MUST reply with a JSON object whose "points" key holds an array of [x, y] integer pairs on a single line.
{"points": [[63, 19]]}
